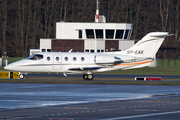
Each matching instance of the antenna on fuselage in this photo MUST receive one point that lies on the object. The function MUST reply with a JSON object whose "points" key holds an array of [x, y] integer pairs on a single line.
{"points": [[70, 50]]}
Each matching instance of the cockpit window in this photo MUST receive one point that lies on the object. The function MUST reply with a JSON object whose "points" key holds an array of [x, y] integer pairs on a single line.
{"points": [[32, 57], [35, 57], [39, 57]]}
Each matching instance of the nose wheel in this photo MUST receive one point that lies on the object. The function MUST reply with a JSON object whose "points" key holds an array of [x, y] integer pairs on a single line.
{"points": [[21, 76], [88, 76]]}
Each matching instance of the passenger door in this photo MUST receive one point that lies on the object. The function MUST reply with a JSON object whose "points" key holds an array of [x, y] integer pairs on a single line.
{"points": [[57, 62]]}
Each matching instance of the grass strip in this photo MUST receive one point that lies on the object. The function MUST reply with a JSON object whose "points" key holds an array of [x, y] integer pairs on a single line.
{"points": [[77, 81]]}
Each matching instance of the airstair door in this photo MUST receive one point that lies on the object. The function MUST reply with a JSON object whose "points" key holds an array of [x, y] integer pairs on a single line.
{"points": [[57, 60]]}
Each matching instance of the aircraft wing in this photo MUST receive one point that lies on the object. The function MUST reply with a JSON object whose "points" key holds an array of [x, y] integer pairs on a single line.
{"points": [[86, 68]]}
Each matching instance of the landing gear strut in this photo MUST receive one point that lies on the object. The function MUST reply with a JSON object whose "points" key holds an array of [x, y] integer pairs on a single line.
{"points": [[88, 76]]}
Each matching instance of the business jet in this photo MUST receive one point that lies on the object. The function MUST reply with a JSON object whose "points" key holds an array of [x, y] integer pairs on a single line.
{"points": [[138, 56]]}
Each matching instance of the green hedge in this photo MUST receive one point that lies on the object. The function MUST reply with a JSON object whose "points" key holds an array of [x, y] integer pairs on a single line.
{"points": [[168, 63]]}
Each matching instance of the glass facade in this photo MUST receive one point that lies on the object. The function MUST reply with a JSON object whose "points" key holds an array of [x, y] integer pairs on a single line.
{"points": [[109, 34], [126, 34], [89, 33], [119, 34], [80, 33], [99, 33], [98, 39]]}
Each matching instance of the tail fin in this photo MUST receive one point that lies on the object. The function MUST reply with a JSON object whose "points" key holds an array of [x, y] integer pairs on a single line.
{"points": [[148, 45]]}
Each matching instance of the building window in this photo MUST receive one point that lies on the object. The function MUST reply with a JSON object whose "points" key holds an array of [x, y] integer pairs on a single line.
{"points": [[43, 50], [86, 50], [80, 33], [109, 34], [99, 34], [48, 58], [74, 58], [48, 50], [82, 58], [66, 58], [126, 34], [119, 34], [92, 51], [89, 33]]}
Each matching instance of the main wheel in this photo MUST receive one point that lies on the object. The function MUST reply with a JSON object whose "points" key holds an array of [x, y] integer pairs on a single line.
{"points": [[85, 76], [90, 76]]}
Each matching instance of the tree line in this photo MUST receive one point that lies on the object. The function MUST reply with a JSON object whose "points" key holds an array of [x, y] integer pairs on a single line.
{"points": [[24, 22]]}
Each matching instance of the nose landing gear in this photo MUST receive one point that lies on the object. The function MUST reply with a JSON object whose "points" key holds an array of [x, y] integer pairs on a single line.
{"points": [[21, 76]]}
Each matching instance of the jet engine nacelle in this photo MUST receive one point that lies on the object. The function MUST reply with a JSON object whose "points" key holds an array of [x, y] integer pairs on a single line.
{"points": [[107, 60]]}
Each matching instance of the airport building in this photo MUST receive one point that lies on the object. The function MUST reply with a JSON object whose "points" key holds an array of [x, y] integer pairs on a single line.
{"points": [[88, 37], [95, 37]]}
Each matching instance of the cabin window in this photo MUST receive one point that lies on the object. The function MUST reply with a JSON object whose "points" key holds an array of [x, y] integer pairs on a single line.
{"points": [[98, 51], [102, 50], [57, 58], [82, 58], [99, 34], [48, 58], [119, 34], [89, 33], [66, 58], [109, 34], [74, 58]]}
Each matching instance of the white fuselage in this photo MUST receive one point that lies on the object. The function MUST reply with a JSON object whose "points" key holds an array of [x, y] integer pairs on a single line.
{"points": [[63, 62]]}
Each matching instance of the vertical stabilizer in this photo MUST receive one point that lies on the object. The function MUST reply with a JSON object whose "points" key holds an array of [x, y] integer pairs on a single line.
{"points": [[148, 45]]}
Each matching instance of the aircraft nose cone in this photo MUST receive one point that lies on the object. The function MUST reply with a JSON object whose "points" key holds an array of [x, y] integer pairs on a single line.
{"points": [[7, 67]]}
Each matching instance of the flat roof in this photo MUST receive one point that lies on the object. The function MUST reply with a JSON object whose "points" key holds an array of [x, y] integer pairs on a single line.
{"points": [[86, 25]]}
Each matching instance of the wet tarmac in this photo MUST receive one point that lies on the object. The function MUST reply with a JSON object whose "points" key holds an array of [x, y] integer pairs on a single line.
{"points": [[32, 95], [37, 101]]}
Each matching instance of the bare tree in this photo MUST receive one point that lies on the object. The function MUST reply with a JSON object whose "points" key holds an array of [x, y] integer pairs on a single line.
{"points": [[177, 23], [164, 13], [136, 24], [4, 25]]}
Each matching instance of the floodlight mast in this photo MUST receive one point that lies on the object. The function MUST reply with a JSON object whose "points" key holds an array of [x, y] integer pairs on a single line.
{"points": [[97, 12]]}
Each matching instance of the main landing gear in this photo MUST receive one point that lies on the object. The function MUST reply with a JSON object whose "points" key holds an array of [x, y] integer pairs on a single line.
{"points": [[88, 76]]}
